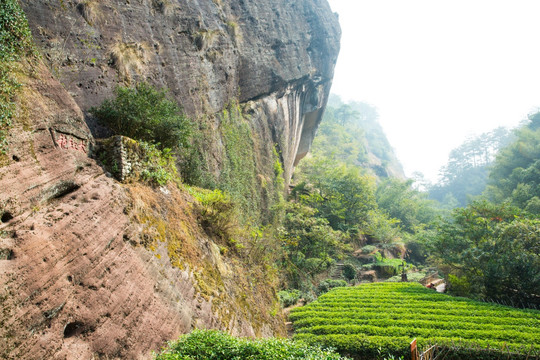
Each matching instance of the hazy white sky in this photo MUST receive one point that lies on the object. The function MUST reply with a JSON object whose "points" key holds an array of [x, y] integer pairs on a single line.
{"points": [[439, 71]]}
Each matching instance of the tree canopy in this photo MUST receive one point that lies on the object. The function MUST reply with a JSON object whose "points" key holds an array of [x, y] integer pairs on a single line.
{"points": [[515, 175], [145, 113], [491, 252], [466, 173]]}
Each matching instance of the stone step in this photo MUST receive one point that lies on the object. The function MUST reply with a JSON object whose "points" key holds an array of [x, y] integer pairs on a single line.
{"points": [[337, 273]]}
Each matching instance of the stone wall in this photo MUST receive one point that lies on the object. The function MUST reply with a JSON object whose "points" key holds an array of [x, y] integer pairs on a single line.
{"points": [[121, 156]]}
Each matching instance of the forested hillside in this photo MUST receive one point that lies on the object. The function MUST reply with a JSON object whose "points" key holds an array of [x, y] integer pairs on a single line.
{"points": [[515, 175], [490, 248], [351, 133], [487, 249], [466, 173], [350, 203]]}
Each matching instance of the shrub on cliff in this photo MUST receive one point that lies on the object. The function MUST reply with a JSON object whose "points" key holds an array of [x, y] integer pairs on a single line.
{"points": [[216, 210], [145, 113]]}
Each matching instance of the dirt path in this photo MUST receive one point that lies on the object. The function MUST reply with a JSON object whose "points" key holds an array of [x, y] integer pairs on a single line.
{"points": [[286, 312]]}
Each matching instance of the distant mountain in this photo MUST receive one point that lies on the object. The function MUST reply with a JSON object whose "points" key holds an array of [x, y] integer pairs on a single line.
{"points": [[350, 133]]}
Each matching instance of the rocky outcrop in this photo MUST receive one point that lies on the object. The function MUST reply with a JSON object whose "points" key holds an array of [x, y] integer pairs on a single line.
{"points": [[76, 282], [278, 56]]}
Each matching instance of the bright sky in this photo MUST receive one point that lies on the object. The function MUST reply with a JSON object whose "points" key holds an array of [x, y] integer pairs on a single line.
{"points": [[439, 71]]}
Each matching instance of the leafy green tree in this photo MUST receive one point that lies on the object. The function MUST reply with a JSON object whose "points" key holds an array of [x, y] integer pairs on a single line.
{"points": [[384, 231], [311, 245], [492, 252], [341, 194], [145, 113], [401, 201], [412, 211], [516, 172]]}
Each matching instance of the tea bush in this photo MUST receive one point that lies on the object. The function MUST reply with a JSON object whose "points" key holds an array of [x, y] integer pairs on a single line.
{"points": [[216, 345], [383, 318]]}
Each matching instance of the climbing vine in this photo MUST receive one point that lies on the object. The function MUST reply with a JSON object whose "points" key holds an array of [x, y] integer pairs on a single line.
{"points": [[239, 175]]}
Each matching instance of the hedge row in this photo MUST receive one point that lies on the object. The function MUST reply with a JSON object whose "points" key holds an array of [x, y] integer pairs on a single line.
{"points": [[383, 318], [217, 345]]}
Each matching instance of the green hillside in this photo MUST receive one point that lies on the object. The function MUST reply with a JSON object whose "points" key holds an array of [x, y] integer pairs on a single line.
{"points": [[350, 133]]}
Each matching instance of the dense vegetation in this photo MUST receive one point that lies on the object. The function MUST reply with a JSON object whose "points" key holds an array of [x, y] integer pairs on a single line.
{"points": [[515, 175], [487, 250], [377, 319], [16, 43], [491, 252], [215, 345], [490, 249]]}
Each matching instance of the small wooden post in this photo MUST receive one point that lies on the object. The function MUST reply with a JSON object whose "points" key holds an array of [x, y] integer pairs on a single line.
{"points": [[414, 350]]}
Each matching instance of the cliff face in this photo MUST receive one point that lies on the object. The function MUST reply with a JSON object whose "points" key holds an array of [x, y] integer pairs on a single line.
{"points": [[93, 268], [276, 56]]}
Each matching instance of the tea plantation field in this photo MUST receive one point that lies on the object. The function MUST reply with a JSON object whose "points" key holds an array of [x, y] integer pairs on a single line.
{"points": [[379, 319]]}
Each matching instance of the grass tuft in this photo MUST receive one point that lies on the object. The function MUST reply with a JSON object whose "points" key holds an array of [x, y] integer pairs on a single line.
{"points": [[89, 9], [129, 58]]}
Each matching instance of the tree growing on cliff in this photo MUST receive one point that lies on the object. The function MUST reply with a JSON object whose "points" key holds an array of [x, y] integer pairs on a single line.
{"points": [[145, 113], [341, 194]]}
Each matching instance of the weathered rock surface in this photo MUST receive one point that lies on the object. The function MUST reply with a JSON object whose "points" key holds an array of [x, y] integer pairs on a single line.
{"points": [[277, 54], [75, 284]]}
